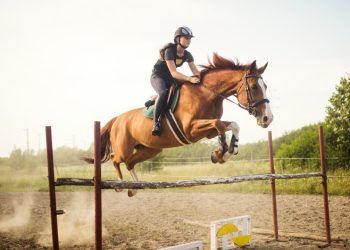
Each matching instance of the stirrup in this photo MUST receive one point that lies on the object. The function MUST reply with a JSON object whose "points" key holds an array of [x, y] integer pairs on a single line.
{"points": [[156, 130]]}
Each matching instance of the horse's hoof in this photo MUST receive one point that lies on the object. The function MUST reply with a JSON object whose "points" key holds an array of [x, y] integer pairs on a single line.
{"points": [[213, 158], [118, 190], [132, 192], [230, 150]]}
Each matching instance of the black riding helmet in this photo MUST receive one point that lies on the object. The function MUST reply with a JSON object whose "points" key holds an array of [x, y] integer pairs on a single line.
{"points": [[182, 31]]}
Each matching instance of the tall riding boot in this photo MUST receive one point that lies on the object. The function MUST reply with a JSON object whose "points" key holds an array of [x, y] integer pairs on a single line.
{"points": [[157, 128], [160, 104]]}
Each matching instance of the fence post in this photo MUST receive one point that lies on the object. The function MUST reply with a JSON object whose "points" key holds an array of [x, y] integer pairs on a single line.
{"points": [[324, 184], [97, 185], [273, 188], [52, 193]]}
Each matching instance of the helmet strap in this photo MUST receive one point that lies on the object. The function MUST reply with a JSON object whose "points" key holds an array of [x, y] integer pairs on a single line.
{"points": [[179, 43], [184, 47]]}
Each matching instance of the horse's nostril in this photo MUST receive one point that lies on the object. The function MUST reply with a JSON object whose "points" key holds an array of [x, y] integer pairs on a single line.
{"points": [[265, 118]]}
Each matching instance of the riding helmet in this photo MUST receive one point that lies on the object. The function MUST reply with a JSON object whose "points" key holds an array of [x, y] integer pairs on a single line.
{"points": [[183, 31]]}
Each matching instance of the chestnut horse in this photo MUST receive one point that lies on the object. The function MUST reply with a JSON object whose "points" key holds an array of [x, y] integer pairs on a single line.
{"points": [[127, 138]]}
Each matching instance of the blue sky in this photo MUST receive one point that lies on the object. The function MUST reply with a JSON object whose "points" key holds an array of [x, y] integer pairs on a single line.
{"points": [[69, 63]]}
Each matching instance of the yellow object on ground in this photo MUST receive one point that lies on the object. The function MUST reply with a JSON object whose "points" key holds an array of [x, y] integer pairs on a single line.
{"points": [[226, 229], [241, 240]]}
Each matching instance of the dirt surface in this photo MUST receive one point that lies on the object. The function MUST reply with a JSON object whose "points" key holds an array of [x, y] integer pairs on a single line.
{"points": [[151, 220]]}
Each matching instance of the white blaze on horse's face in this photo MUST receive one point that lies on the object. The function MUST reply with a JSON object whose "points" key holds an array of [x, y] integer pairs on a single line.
{"points": [[266, 117]]}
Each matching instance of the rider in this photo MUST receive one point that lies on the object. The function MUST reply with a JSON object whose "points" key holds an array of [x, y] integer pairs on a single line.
{"points": [[164, 71]]}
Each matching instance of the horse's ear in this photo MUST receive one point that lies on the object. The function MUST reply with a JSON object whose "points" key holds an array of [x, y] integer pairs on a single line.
{"points": [[262, 69], [252, 67]]}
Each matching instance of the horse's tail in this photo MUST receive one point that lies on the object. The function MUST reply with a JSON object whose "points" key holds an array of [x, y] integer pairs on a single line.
{"points": [[105, 143]]}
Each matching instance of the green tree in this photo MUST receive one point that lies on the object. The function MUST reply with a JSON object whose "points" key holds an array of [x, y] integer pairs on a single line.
{"points": [[4, 161], [65, 156], [16, 159], [302, 144], [253, 151], [338, 120], [189, 152]]}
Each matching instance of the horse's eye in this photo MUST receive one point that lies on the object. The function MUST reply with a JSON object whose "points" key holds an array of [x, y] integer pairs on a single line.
{"points": [[255, 87]]}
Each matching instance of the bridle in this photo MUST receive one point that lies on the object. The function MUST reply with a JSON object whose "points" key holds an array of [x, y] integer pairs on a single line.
{"points": [[251, 104]]}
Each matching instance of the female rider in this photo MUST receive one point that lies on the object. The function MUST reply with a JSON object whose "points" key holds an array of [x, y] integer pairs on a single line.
{"points": [[164, 71]]}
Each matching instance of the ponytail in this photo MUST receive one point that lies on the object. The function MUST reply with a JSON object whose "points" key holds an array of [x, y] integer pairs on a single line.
{"points": [[162, 50]]}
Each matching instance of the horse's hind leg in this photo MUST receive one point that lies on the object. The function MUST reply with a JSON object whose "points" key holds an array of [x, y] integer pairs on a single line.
{"points": [[142, 153], [122, 148], [132, 192], [119, 174]]}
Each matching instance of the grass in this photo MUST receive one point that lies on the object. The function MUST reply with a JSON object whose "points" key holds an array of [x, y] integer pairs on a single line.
{"points": [[36, 180]]}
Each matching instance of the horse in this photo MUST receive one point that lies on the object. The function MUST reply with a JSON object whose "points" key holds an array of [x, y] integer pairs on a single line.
{"points": [[127, 138]]}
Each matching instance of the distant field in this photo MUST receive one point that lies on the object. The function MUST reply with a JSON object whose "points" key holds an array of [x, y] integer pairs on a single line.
{"points": [[36, 180]]}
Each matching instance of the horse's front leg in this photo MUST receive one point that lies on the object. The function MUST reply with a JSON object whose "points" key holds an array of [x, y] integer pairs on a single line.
{"points": [[218, 155], [211, 128], [233, 148], [204, 128]]}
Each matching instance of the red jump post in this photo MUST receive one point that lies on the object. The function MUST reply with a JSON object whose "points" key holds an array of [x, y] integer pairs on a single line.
{"points": [[97, 185], [50, 168]]}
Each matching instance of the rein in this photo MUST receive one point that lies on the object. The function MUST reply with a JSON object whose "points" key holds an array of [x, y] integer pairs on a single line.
{"points": [[251, 105]]}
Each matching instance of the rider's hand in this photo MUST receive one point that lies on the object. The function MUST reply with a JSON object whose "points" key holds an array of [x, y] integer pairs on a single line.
{"points": [[194, 79]]}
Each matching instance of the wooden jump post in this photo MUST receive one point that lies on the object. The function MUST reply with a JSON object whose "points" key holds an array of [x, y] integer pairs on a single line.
{"points": [[96, 182], [112, 184], [97, 187], [51, 176]]}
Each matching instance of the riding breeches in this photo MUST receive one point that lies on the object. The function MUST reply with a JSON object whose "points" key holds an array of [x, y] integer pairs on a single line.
{"points": [[161, 86]]}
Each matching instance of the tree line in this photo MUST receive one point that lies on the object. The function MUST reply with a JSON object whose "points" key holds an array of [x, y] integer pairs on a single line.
{"points": [[29, 160]]}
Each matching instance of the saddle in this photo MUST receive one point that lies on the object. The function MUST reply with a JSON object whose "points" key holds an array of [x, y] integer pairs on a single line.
{"points": [[173, 98], [170, 119]]}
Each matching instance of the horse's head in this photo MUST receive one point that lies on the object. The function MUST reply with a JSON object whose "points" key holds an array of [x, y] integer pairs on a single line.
{"points": [[251, 94], [244, 81]]}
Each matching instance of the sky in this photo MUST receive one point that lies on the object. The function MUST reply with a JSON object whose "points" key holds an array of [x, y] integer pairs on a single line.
{"points": [[69, 63]]}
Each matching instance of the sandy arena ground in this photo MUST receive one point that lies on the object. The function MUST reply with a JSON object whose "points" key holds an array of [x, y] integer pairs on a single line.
{"points": [[151, 220]]}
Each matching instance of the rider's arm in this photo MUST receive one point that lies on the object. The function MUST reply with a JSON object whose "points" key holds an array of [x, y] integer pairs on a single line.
{"points": [[193, 68], [178, 75]]}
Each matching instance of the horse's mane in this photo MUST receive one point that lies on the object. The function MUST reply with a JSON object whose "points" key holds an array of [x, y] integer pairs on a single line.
{"points": [[220, 62]]}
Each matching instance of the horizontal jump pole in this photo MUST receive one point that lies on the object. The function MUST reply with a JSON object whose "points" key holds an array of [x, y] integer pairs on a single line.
{"points": [[112, 184]]}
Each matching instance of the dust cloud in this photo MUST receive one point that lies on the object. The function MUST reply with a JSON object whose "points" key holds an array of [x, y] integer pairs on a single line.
{"points": [[21, 215], [76, 226]]}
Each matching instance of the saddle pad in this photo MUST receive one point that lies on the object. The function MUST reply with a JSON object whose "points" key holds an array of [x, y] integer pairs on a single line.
{"points": [[149, 112]]}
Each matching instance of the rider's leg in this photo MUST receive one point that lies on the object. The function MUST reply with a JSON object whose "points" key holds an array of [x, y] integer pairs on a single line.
{"points": [[161, 87]]}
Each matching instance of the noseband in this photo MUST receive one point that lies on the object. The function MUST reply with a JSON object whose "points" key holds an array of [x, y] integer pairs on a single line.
{"points": [[251, 104]]}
